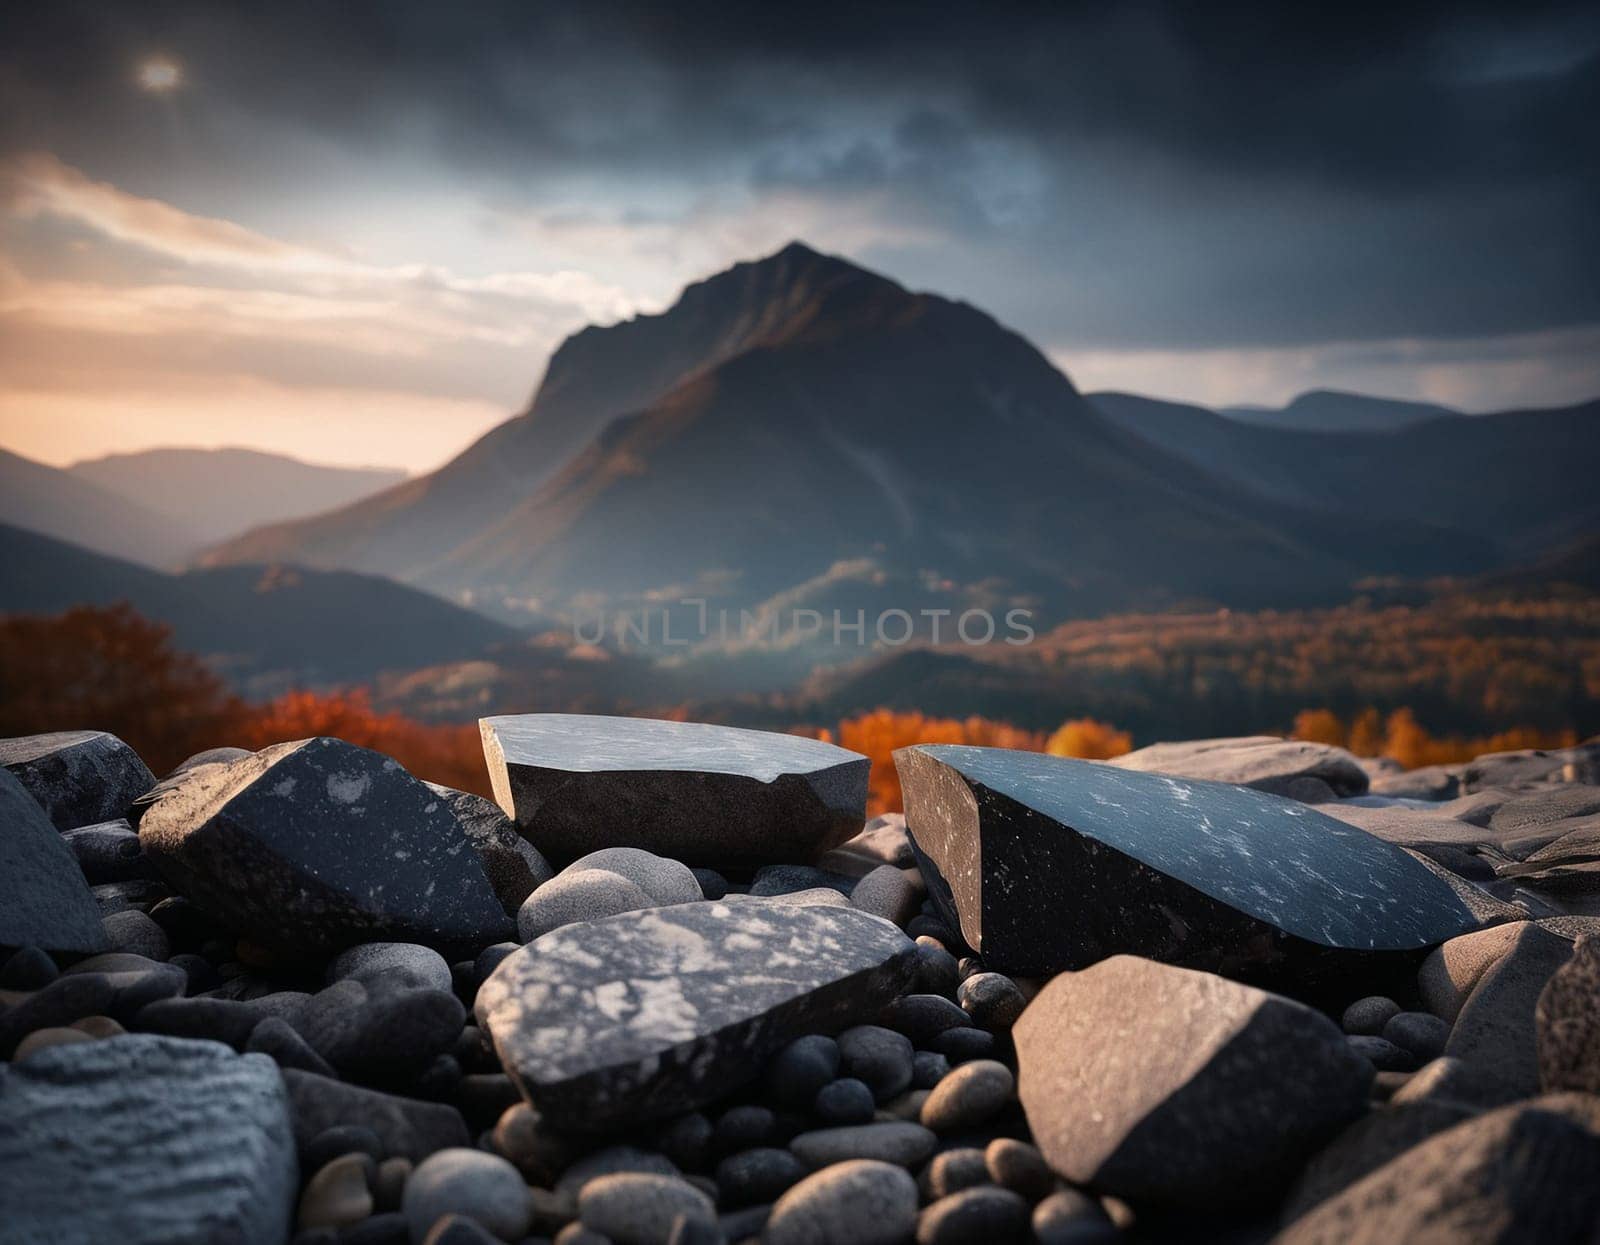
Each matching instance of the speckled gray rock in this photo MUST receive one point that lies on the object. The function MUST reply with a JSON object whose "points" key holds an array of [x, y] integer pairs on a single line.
{"points": [[319, 844], [702, 794], [1369, 1015], [666, 881], [145, 1139], [864, 1202], [1522, 1173], [459, 1181], [1162, 1084], [891, 1141], [1568, 1022], [44, 901], [572, 898], [79, 778], [649, 1014], [1047, 863], [513, 865], [974, 1216], [1287, 767]]}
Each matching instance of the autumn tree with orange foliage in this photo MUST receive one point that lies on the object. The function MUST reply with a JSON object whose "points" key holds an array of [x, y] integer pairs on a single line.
{"points": [[1088, 740], [1401, 737]]}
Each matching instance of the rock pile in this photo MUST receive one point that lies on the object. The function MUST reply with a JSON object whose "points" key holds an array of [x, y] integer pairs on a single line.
{"points": [[312, 998]]}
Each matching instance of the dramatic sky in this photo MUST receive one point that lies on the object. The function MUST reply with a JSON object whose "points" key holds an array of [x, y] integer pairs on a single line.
{"points": [[353, 231]]}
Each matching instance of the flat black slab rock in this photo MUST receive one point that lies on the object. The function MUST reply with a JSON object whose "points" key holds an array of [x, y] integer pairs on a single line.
{"points": [[319, 844], [653, 1013], [1048, 864], [79, 778], [44, 900], [702, 794]]}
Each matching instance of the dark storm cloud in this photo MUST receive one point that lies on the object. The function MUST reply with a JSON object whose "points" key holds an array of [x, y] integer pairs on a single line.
{"points": [[1126, 174]]}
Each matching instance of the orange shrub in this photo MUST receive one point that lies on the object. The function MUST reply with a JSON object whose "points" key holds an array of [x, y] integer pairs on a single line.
{"points": [[1405, 739], [1088, 740]]}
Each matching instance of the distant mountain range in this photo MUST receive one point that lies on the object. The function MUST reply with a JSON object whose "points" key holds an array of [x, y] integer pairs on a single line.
{"points": [[801, 431], [263, 626], [214, 494], [1331, 410]]}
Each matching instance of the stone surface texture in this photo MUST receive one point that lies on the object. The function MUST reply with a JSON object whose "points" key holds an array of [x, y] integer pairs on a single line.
{"points": [[79, 778], [44, 900]]}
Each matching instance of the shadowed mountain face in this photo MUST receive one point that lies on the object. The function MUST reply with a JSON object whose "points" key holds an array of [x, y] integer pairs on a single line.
{"points": [[1330, 410], [799, 412], [215, 494]]}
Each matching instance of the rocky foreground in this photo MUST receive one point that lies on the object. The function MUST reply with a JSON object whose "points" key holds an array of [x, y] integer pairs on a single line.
{"points": [[671, 989]]}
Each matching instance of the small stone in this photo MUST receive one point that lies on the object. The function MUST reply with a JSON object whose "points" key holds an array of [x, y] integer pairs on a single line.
{"points": [[456, 1229], [135, 933], [538, 1151], [1019, 1166], [404, 1126], [338, 1141], [922, 1017], [862, 1202], [31, 968], [379, 1229], [757, 1175], [79, 778], [338, 1194], [845, 1101], [44, 901], [389, 1185], [713, 885], [1368, 1016], [687, 1141], [960, 1045], [43, 1039], [936, 969], [1287, 767], [275, 1037], [1382, 1054], [665, 880], [978, 1216], [774, 881], [888, 892], [1421, 1033], [798, 1072], [898, 1142], [392, 963], [928, 1068], [99, 1027], [741, 1227], [570, 898], [634, 1208], [609, 1162], [971, 1095], [513, 865], [908, 1106], [993, 1000], [1497, 1027], [483, 1187], [108, 852], [880, 1057], [741, 1127], [1068, 1217], [954, 1170], [67, 998], [221, 1020], [381, 1031]]}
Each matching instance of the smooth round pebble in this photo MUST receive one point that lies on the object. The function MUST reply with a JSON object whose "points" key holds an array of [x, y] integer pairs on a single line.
{"points": [[1368, 1016], [457, 1230], [972, 1094], [1383, 1054], [959, 1045], [389, 1228], [389, 1185], [44, 1039], [954, 1170], [800, 1069], [928, 1068], [861, 1202], [132, 931], [712, 884], [845, 1101], [30, 968], [636, 1208], [740, 1128], [687, 1141], [1019, 1166], [976, 1216], [758, 1175], [392, 963], [1068, 1217], [339, 1193], [341, 1139], [993, 1000], [880, 1057], [99, 1027], [573, 897], [936, 968], [665, 880], [898, 1141], [491, 957], [1421, 1033], [922, 1017], [481, 1186]]}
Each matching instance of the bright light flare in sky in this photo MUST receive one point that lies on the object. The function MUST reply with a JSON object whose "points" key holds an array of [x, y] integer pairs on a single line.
{"points": [[160, 74]]}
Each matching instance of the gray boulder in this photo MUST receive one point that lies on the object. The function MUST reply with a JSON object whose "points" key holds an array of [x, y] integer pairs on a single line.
{"points": [[79, 778], [1567, 1020], [702, 794], [1160, 1084], [653, 1013], [1528, 768], [318, 844], [1497, 1029], [44, 900], [1288, 767], [145, 1139], [513, 865], [405, 1126]]}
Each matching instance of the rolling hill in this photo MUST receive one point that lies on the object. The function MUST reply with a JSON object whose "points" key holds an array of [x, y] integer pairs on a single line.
{"points": [[214, 494], [799, 413], [1333, 410], [266, 624]]}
